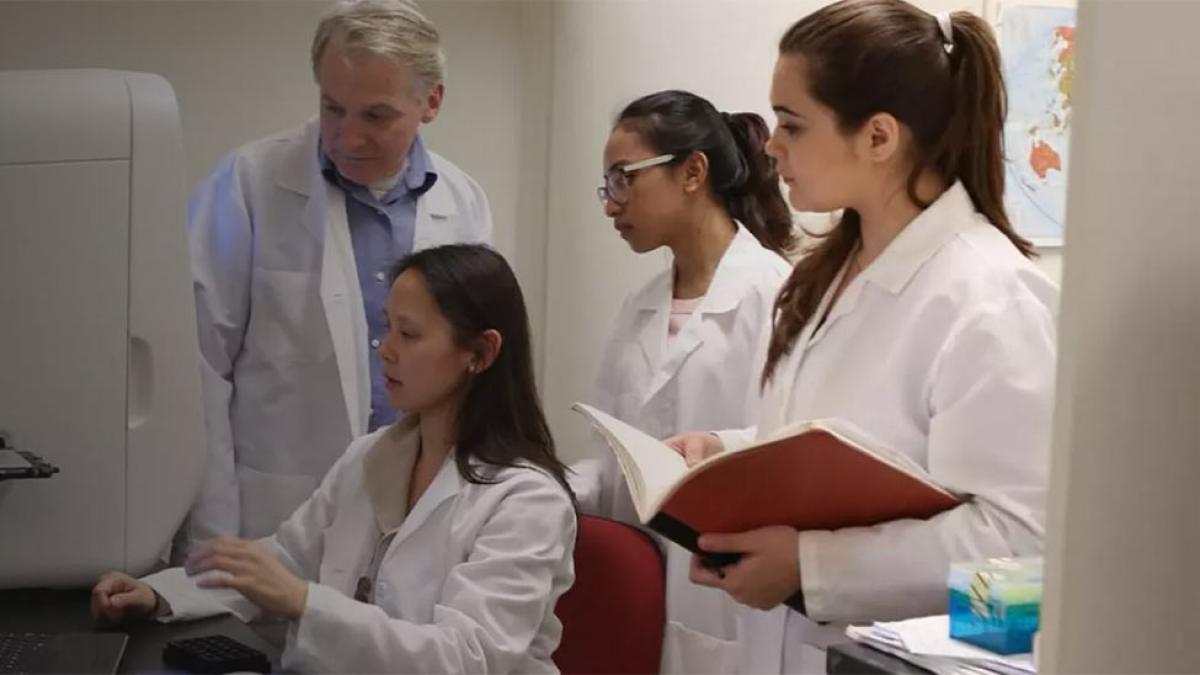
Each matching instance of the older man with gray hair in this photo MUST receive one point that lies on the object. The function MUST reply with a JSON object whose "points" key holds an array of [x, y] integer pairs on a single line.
{"points": [[292, 241]]}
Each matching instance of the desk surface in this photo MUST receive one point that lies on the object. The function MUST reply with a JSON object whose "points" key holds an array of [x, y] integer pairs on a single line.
{"points": [[54, 611]]}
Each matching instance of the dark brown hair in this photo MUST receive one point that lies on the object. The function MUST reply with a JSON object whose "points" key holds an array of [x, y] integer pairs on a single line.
{"points": [[865, 57], [500, 421], [740, 174]]}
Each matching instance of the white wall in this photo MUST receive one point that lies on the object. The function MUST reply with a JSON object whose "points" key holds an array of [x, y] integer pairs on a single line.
{"points": [[240, 69], [1123, 540]]}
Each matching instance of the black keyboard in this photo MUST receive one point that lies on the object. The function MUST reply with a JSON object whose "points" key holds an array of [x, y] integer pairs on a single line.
{"points": [[214, 654], [22, 652]]}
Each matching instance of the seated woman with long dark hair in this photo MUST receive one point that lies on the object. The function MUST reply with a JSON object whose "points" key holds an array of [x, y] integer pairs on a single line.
{"points": [[438, 544]]}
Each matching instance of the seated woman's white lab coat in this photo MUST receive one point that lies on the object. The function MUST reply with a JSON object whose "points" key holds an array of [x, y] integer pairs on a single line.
{"points": [[700, 379], [942, 349], [468, 584]]}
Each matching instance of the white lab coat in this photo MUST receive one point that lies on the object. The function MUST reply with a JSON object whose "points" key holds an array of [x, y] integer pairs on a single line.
{"points": [[701, 380], [468, 584], [282, 329], [943, 349]]}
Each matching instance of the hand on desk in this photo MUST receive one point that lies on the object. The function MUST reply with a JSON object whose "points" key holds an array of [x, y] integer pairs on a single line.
{"points": [[118, 596], [250, 569], [767, 574]]}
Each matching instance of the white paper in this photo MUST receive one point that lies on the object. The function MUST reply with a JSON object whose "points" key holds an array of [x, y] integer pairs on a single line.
{"points": [[930, 637]]}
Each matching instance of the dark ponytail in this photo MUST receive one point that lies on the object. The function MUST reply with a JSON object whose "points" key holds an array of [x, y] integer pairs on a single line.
{"points": [[865, 57], [740, 174], [757, 203]]}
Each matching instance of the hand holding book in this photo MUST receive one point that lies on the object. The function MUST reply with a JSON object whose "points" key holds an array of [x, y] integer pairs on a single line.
{"points": [[767, 572], [735, 562], [810, 475], [695, 447]]}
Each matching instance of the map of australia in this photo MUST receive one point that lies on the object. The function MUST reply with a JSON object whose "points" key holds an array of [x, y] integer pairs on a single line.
{"points": [[1038, 45]]}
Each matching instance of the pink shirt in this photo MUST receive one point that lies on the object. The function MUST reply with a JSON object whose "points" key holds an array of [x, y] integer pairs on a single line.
{"points": [[680, 311]]}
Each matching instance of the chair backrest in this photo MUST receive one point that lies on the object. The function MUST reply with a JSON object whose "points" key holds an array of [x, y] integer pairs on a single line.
{"points": [[613, 616]]}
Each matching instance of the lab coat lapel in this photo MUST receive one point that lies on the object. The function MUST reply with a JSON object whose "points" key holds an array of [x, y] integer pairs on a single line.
{"points": [[899, 262], [446, 484], [305, 178], [841, 307], [434, 209], [653, 305], [784, 378], [341, 298], [663, 359], [687, 341], [723, 295], [891, 272], [324, 218], [387, 470]]}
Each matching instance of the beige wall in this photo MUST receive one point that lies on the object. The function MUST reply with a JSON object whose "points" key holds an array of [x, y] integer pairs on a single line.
{"points": [[239, 68]]}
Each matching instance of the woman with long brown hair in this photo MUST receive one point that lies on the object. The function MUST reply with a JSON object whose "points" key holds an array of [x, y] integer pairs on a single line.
{"points": [[919, 319]]}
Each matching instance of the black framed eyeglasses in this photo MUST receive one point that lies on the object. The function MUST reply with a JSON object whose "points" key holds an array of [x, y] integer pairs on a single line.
{"points": [[617, 180]]}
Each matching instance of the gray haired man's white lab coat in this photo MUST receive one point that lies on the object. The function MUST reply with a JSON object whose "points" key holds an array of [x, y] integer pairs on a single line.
{"points": [[282, 328]]}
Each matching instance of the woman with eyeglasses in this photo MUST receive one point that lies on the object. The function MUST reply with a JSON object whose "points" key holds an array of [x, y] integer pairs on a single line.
{"points": [[681, 175]]}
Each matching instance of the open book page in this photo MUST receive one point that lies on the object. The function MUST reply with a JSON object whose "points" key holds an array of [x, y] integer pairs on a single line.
{"points": [[812, 478], [650, 466]]}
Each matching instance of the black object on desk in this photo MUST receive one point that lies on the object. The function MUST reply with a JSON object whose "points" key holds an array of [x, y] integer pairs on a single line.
{"points": [[61, 652], [214, 654], [68, 611], [23, 464], [852, 658]]}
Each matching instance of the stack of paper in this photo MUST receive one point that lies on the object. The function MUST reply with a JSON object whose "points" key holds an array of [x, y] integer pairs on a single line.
{"points": [[926, 643]]}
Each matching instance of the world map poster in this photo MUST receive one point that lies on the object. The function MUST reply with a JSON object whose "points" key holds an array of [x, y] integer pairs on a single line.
{"points": [[1038, 47]]}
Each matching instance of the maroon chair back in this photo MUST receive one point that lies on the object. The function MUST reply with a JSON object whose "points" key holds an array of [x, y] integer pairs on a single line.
{"points": [[613, 616]]}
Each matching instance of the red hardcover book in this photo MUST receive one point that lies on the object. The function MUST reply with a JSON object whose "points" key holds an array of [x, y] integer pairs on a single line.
{"points": [[815, 475]]}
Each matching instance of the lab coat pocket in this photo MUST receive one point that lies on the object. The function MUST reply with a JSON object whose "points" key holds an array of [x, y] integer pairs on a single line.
{"points": [[288, 318], [689, 651]]}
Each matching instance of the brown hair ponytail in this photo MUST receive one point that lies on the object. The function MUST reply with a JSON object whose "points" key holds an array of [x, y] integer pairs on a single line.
{"points": [[971, 149], [865, 57]]}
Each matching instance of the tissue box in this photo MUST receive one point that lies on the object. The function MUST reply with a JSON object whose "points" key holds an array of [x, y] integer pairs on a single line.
{"points": [[995, 604]]}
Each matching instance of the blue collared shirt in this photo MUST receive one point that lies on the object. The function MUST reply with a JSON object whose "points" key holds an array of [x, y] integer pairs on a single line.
{"points": [[381, 233]]}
